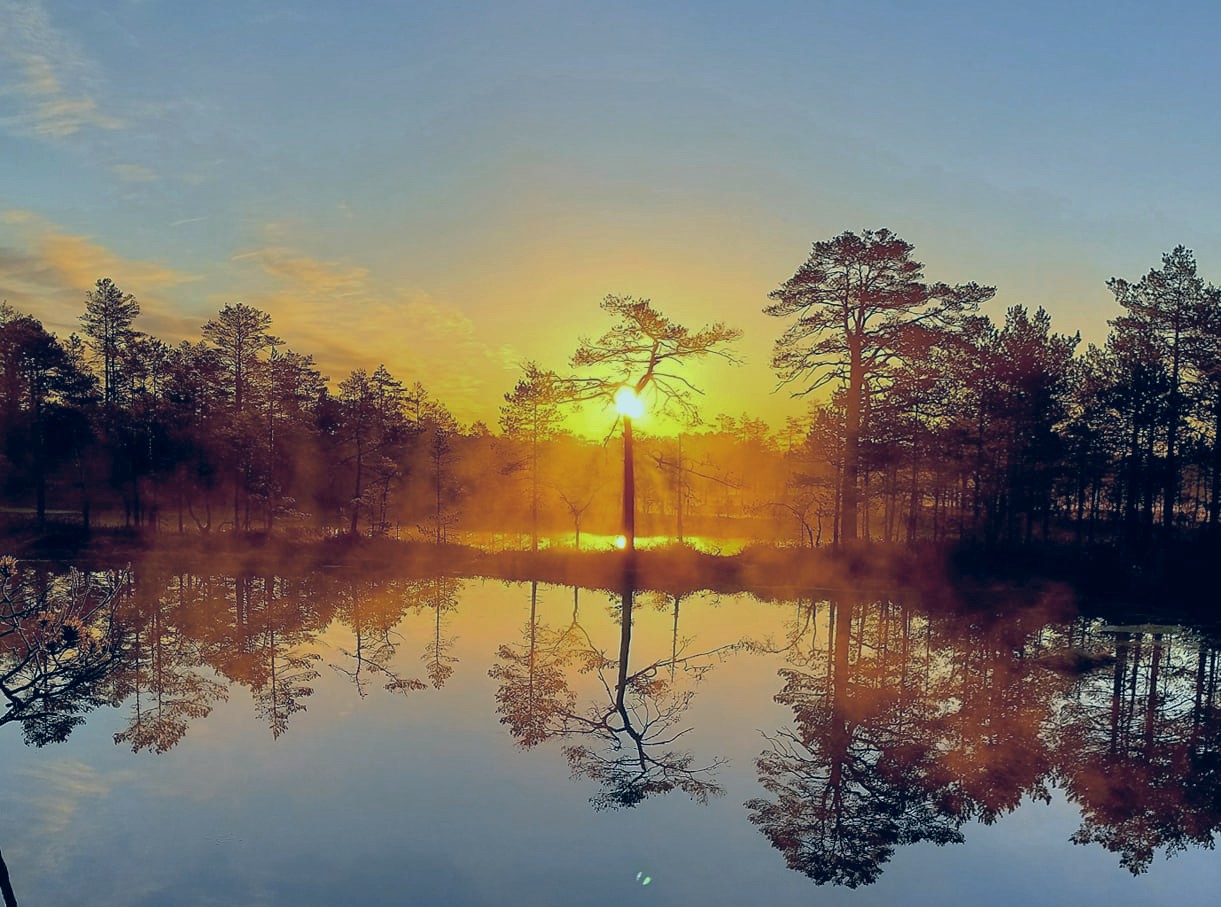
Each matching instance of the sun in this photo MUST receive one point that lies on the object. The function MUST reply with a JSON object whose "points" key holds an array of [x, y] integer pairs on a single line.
{"points": [[628, 404]]}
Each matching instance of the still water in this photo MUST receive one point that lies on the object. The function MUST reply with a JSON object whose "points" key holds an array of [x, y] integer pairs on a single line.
{"points": [[340, 739]]}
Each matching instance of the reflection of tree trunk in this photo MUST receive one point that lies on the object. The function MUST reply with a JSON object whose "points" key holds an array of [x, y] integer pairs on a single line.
{"points": [[840, 736], [1152, 700], [1197, 708], [6, 887], [674, 638], [533, 644], [1121, 665], [625, 642]]}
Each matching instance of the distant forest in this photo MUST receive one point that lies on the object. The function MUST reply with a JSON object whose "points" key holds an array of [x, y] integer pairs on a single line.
{"points": [[927, 421]]}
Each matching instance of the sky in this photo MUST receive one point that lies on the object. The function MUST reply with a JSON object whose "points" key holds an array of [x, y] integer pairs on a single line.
{"points": [[451, 188]]}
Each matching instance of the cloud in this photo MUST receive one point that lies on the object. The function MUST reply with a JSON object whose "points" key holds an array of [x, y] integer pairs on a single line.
{"points": [[58, 788], [344, 316], [78, 261], [311, 277], [49, 77], [48, 271], [134, 173]]}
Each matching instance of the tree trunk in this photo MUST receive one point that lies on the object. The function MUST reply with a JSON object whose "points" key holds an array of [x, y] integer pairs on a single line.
{"points": [[357, 489], [629, 487], [1214, 502], [681, 489], [6, 887], [852, 444], [534, 490]]}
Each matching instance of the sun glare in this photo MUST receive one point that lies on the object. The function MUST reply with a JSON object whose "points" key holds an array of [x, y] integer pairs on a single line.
{"points": [[628, 404], [621, 542]]}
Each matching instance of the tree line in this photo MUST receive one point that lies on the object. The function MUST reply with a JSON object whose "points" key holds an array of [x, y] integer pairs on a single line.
{"points": [[928, 421], [943, 423]]}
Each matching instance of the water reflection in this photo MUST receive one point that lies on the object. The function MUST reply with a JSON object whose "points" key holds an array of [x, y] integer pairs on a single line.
{"points": [[440, 595], [59, 643], [162, 674], [625, 739], [912, 726], [372, 618], [1139, 748], [905, 724]]}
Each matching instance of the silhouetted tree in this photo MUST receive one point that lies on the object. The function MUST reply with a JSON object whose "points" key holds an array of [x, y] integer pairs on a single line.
{"points": [[531, 414], [291, 391], [109, 313], [645, 351], [40, 383], [239, 335], [851, 303], [1163, 306], [374, 429]]}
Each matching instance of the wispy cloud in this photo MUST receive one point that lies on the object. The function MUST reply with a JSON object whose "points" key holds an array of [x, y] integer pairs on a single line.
{"points": [[49, 270], [60, 786], [345, 316], [310, 278], [134, 173], [49, 79]]}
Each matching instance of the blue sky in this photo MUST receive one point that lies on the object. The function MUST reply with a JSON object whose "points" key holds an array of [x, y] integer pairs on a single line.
{"points": [[451, 187]]}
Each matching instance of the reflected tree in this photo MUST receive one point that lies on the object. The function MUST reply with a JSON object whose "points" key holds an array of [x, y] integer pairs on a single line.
{"points": [[533, 698], [160, 672], [284, 672], [60, 639], [365, 609], [631, 753], [439, 595], [258, 628], [850, 781], [1140, 749]]}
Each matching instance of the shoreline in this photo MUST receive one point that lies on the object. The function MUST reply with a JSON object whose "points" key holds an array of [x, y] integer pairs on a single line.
{"points": [[958, 577]]}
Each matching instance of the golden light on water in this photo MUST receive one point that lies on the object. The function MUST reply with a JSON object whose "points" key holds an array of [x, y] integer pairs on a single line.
{"points": [[628, 404]]}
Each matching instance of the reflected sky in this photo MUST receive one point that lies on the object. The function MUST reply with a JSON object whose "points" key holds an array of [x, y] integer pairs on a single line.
{"points": [[345, 739]]}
